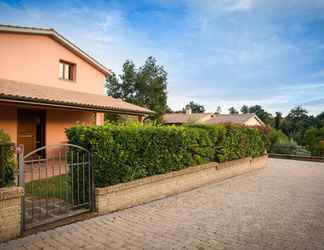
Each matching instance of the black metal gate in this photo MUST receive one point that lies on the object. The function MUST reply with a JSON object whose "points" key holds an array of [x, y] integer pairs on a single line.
{"points": [[58, 183]]}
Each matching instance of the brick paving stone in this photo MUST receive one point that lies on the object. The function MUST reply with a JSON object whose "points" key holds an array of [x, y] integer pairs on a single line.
{"points": [[279, 207]]}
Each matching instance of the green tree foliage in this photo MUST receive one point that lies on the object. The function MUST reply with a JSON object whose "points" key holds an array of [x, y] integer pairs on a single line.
{"points": [[113, 87], [195, 107], [233, 111], [297, 114], [298, 132], [277, 120], [145, 86], [260, 112], [314, 138], [296, 123], [244, 109]]}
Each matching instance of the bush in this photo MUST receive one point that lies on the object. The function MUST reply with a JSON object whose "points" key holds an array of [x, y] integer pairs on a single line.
{"points": [[233, 142], [277, 137], [126, 152], [290, 148], [6, 160]]}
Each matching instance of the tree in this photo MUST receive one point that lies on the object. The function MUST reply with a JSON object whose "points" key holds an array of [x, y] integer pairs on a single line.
{"points": [[151, 87], [113, 86], [124, 86], [168, 110], [244, 109], [297, 114], [218, 110], [277, 119], [195, 107], [320, 116], [146, 86], [128, 79], [233, 111]]}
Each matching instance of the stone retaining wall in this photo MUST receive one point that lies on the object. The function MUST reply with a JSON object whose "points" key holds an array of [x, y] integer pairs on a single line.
{"points": [[10, 212], [297, 157], [125, 195]]}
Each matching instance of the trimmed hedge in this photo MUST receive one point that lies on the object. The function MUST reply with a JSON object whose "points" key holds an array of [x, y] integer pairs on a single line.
{"points": [[232, 142], [6, 160], [126, 152]]}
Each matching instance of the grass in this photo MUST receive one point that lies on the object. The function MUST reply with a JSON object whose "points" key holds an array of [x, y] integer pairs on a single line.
{"points": [[52, 187]]}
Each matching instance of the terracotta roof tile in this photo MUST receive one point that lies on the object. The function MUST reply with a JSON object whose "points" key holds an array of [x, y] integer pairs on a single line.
{"points": [[207, 118], [236, 119], [12, 90], [179, 118]]}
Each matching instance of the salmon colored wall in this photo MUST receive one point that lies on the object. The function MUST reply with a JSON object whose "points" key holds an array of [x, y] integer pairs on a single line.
{"points": [[8, 121], [100, 118], [35, 59], [58, 120]]}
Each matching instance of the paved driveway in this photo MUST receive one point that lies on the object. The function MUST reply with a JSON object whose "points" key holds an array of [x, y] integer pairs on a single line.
{"points": [[280, 207]]}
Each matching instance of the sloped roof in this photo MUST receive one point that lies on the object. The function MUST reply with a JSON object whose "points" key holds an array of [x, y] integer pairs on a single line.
{"points": [[36, 94], [59, 38], [179, 118], [235, 118], [208, 118]]}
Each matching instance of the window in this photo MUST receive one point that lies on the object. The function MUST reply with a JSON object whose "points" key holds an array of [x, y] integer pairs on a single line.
{"points": [[66, 71]]}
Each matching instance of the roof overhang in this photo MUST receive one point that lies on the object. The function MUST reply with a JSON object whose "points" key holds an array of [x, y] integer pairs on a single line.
{"points": [[44, 103], [33, 94], [60, 39]]}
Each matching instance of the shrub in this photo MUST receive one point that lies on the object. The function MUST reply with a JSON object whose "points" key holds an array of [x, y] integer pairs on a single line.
{"points": [[233, 142], [126, 152], [290, 148], [277, 137], [6, 160]]}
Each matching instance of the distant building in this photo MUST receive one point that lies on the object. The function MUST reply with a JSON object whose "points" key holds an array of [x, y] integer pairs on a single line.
{"points": [[211, 119]]}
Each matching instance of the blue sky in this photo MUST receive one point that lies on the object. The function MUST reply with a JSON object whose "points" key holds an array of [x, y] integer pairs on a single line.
{"points": [[217, 52]]}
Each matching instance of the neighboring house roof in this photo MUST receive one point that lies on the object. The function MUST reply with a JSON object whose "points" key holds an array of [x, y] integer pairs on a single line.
{"points": [[209, 118], [235, 118], [179, 118], [59, 38], [19, 92]]}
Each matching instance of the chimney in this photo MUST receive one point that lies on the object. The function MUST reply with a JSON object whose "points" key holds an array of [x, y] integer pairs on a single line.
{"points": [[188, 110]]}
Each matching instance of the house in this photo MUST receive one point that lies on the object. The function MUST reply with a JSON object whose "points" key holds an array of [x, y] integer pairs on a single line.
{"points": [[48, 84], [211, 119]]}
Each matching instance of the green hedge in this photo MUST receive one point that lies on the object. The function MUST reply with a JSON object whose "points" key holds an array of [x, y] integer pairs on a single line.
{"points": [[6, 160], [126, 152], [232, 142]]}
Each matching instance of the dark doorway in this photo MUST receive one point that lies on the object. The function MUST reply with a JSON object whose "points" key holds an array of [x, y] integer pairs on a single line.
{"points": [[31, 129]]}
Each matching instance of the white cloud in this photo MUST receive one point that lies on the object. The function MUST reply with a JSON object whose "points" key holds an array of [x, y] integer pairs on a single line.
{"points": [[240, 5], [220, 52]]}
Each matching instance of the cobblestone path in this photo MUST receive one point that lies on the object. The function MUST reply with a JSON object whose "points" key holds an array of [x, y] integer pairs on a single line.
{"points": [[279, 207]]}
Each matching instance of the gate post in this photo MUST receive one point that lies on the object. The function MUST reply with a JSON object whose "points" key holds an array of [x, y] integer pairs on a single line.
{"points": [[21, 182], [93, 186]]}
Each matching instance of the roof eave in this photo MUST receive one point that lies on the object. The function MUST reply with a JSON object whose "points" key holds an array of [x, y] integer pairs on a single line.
{"points": [[33, 101]]}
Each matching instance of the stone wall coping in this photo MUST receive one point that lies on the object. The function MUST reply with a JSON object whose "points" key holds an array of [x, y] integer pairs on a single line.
{"points": [[233, 163], [161, 177], [7, 193]]}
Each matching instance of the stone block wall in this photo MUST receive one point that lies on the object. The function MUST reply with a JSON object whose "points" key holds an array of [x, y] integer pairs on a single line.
{"points": [[10, 212], [147, 189]]}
